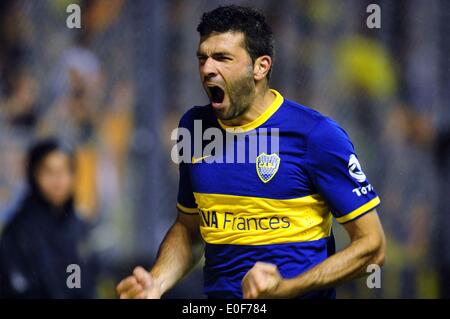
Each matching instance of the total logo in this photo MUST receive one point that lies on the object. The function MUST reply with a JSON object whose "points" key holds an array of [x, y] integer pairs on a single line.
{"points": [[355, 171], [363, 190]]}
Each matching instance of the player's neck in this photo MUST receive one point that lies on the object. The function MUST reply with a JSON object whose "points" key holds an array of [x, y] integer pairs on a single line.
{"points": [[263, 99]]}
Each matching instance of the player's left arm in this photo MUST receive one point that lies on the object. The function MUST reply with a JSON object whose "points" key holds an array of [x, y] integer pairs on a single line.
{"points": [[367, 246]]}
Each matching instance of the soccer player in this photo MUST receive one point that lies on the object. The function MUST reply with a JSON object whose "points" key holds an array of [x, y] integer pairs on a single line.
{"points": [[264, 225]]}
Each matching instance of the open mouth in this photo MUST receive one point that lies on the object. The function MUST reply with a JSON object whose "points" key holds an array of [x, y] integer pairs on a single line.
{"points": [[217, 94]]}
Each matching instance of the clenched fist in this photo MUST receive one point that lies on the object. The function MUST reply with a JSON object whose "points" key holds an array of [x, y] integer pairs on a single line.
{"points": [[263, 281], [140, 285]]}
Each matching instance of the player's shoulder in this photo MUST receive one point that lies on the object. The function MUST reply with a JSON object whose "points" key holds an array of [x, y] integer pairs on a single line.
{"points": [[313, 123], [309, 118], [203, 113]]}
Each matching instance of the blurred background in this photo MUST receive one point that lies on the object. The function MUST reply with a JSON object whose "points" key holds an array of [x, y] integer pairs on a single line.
{"points": [[117, 87]]}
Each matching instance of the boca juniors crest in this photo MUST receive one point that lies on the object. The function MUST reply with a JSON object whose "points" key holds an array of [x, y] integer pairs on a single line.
{"points": [[267, 166]]}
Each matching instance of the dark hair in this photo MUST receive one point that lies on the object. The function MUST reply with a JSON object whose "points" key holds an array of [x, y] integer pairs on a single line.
{"points": [[257, 33], [37, 153]]}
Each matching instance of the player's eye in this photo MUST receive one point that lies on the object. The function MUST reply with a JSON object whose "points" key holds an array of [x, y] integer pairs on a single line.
{"points": [[223, 58], [201, 56]]}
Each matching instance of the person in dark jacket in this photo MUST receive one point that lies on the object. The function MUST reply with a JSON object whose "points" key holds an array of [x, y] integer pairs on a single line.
{"points": [[41, 248]]}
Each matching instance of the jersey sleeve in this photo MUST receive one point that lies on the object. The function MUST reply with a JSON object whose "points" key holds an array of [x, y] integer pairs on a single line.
{"points": [[336, 173], [185, 199]]}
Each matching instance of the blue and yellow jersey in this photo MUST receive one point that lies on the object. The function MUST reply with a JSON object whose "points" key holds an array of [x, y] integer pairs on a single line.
{"points": [[279, 207]]}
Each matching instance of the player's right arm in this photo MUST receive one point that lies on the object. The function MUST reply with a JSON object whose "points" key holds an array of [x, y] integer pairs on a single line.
{"points": [[180, 250]]}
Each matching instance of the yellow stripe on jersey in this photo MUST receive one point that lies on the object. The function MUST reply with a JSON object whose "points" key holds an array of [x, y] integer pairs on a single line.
{"points": [[187, 210], [260, 119], [243, 220], [359, 211]]}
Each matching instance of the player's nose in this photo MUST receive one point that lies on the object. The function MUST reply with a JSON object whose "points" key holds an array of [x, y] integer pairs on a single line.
{"points": [[208, 70]]}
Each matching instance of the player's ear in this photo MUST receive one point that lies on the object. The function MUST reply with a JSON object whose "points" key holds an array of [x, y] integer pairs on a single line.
{"points": [[261, 67]]}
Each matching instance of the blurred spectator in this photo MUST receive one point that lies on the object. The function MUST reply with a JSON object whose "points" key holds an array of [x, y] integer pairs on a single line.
{"points": [[20, 103], [15, 39], [45, 234], [79, 92], [75, 115]]}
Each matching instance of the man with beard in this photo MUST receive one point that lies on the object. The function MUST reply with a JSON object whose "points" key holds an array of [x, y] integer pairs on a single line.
{"points": [[265, 230]]}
